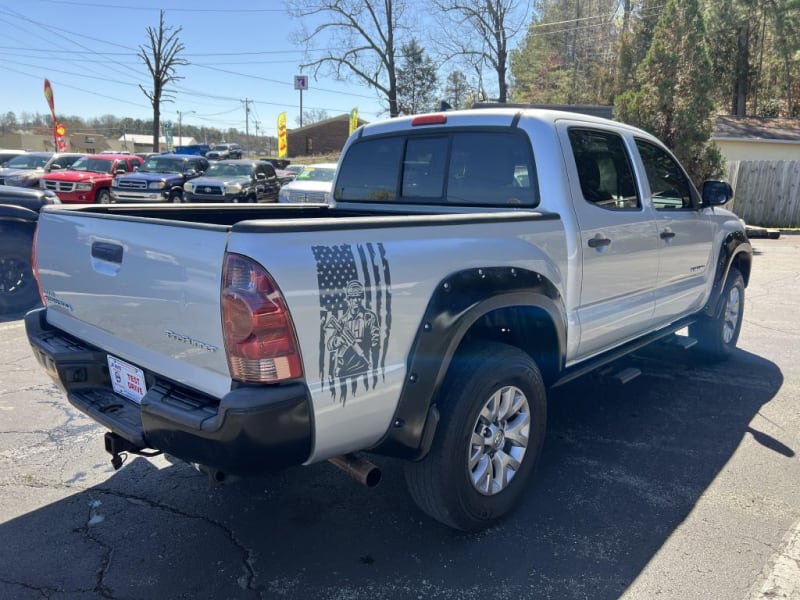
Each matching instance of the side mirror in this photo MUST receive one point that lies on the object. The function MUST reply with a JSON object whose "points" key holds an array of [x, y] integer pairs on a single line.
{"points": [[261, 177], [56, 167], [120, 171], [716, 193]]}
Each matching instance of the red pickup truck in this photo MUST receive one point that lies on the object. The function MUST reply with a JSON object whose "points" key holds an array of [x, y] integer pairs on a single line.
{"points": [[88, 180]]}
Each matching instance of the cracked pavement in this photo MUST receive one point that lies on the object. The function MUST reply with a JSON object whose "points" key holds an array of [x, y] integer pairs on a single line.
{"points": [[681, 484]]}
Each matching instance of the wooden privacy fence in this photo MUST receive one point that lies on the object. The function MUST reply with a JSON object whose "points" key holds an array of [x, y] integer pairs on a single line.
{"points": [[766, 193]]}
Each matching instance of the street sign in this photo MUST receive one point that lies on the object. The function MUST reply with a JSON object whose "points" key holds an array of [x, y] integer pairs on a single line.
{"points": [[301, 82]]}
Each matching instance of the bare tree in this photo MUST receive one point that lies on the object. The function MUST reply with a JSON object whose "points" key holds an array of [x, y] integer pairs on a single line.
{"points": [[496, 23], [161, 56], [362, 41], [311, 116]]}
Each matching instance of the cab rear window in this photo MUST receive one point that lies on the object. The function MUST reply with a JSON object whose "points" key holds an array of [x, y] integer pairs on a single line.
{"points": [[470, 168]]}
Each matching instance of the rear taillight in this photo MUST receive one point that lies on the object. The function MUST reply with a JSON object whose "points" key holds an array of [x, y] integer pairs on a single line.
{"points": [[260, 340], [35, 266]]}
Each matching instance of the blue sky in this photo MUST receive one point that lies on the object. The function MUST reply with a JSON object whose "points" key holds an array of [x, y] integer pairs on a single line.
{"points": [[87, 49]]}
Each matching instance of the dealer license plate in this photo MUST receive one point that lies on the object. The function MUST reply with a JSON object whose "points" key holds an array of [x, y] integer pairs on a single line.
{"points": [[127, 380]]}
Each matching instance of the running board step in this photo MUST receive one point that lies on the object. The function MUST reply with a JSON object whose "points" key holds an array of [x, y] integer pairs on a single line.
{"points": [[621, 377], [680, 341]]}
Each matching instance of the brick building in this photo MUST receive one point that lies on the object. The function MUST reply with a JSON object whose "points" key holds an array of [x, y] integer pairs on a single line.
{"points": [[322, 137]]}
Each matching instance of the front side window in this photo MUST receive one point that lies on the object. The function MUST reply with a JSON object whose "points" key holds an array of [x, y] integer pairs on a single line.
{"points": [[604, 169], [486, 168], [669, 186]]}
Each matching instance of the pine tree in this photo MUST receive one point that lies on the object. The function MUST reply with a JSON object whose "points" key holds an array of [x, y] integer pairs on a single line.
{"points": [[416, 79], [671, 96]]}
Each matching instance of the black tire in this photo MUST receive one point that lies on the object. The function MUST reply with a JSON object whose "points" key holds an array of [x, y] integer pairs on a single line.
{"points": [[18, 290], [717, 336], [103, 197], [176, 197], [455, 482]]}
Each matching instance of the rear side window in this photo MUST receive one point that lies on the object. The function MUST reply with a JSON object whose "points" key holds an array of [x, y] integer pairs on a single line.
{"points": [[487, 168], [604, 169]]}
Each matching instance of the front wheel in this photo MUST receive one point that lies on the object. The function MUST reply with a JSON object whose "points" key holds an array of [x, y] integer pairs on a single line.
{"points": [[493, 410], [103, 197], [717, 335], [176, 198]]}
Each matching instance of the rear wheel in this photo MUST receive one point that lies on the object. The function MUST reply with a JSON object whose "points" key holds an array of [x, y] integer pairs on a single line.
{"points": [[717, 335], [18, 291], [493, 410], [103, 197]]}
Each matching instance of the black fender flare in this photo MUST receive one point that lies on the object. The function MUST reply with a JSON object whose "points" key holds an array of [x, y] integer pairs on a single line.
{"points": [[456, 307], [735, 251], [10, 212]]}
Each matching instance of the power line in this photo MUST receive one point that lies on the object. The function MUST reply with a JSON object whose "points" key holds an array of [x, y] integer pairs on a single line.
{"points": [[165, 9]]}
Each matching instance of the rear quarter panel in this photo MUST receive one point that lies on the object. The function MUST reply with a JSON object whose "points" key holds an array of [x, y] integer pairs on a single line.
{"points": [[399, 267]]}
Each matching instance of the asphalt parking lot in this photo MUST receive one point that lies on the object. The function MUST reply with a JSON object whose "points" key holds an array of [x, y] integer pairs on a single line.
{"points": [[681, 484]]}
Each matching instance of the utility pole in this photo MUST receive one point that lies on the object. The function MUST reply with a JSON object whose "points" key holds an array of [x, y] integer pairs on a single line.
{"points": [[247, 104], [256, 123]]}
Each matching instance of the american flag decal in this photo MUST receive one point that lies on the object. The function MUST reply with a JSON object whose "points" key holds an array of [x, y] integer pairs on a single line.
{"points": [[355, 300]]}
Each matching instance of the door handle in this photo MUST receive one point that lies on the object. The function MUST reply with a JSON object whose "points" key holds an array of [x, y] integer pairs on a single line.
{"points": [[667, 235], [598, 242], [107, 251]]}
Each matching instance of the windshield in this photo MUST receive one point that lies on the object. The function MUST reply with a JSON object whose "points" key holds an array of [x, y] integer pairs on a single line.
{"points": [[28, 161], [92, 165], [316, 174], [218, 170], [221, 147], [162, 165]]}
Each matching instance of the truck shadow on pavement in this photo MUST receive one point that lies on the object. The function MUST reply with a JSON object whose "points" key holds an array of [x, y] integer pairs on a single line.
{"points": [[622, 467]]}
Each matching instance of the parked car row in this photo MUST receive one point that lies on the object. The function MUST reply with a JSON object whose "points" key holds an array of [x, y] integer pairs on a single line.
{"points": [[123, 177]]}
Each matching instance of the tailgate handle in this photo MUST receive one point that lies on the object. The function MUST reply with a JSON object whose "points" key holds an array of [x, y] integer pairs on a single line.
{"points": [[108, 252], [598, 242]]}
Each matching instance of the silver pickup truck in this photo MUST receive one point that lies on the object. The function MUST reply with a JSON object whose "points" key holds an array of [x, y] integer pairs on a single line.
{"points": [[469, 261]]}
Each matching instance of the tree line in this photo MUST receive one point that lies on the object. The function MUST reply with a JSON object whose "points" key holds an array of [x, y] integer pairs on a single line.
{"points": [[667, 66]]}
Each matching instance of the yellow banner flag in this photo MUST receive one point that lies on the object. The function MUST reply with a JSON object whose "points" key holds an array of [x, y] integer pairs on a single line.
{"points": [[282, 146], [353, 120]]}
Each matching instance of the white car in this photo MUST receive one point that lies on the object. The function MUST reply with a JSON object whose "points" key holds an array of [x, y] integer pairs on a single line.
{"points": [[313, 184]]}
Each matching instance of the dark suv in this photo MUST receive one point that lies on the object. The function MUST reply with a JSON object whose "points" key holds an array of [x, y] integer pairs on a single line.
{"points": [[224, 151], [159, 179], [234, 181]]}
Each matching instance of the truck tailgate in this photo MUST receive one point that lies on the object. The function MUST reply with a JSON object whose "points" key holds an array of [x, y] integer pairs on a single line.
{"points": [[142, 290]]}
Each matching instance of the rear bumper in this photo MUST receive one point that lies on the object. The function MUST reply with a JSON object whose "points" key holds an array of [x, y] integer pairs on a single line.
{"points": [[250, 430]]}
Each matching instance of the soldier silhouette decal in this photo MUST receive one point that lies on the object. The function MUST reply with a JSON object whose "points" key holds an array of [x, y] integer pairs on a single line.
{"points": [[355, 316]]}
